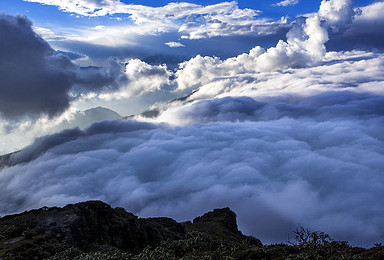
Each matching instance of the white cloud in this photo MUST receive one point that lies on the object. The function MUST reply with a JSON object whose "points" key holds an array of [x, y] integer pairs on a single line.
{"points": [[16, 135], [45, 33], [357, 72], [287, 3], [372, 12], [337, 13], [83, 7], [174, 44], [192, 21], [142, 78], [305, 46]]}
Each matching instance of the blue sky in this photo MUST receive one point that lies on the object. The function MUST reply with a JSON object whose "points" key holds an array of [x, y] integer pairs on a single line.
{"points": [[44, 15]]}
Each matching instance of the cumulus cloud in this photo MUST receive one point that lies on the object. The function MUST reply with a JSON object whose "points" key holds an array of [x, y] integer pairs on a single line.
{"points": [[287, 3], [350, 77], [337, 13], [341, 71], [305, 46]]}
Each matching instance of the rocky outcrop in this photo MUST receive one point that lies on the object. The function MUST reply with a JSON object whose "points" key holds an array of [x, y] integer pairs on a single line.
{"points": [[86, 226], [222, 224], [89, 225], [95, 230]]}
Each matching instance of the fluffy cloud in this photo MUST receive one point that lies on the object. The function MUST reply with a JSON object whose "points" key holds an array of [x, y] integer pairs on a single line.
{"points": [[337, 13], [342, 71], [345, 78], [287, 3], [141, 78], [305, 46]]}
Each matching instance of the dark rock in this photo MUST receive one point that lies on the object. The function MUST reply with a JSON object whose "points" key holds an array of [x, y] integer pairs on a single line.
{"points": [[95, 230], [85, 226], [221, 223]]}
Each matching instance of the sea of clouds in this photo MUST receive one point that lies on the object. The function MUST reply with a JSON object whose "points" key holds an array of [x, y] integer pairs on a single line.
{"points": [[286, 136]]}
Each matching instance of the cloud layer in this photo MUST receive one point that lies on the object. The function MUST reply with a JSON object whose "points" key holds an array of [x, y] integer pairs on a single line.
{"points": [[275, 174]]}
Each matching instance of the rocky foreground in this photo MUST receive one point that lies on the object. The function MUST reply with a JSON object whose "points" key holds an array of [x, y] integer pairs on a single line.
{"points": [[94, 230]]}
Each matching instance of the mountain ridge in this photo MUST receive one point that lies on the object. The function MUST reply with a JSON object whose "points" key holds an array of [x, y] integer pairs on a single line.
{"points": [[95, 230]]}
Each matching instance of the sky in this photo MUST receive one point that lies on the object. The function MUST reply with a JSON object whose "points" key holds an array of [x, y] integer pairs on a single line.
{"points": [[273, 108]]}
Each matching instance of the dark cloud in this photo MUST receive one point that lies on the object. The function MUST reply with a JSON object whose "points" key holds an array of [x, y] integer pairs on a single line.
{"points": [[35, 79], [98, 79], [71, 55], [32, 80], [364, 36]]}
